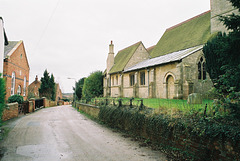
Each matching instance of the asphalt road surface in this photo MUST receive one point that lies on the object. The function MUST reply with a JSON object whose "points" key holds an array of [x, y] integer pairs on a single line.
{"points": [[62, 133]]}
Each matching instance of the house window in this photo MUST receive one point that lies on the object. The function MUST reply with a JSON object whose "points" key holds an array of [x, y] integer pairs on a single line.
{"points": [[24, 86], [19, 90], [202, 69], [142, 78], [116, 80], [13, 83], [132, 79]]}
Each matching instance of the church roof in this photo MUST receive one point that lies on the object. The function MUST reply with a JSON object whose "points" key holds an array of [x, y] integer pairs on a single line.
{"points": [[150, 49], [190, 33], [172, 57], [8, 48], [123, 57]]}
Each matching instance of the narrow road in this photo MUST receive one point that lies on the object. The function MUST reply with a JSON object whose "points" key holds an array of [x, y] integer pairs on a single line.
{"points": [[62, 133]]}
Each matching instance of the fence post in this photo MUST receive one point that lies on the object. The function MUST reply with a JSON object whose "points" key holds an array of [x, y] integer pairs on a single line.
{"points": [[106, 103], [119, 102], [131, 99], [205, 111], [141, 104]]}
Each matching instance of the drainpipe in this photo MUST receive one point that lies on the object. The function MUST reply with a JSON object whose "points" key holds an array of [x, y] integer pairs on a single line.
{"points": [[148, 82]]}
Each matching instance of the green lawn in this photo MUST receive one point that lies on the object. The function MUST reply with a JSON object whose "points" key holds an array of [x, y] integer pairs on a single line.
{"points": [[165, 106]]}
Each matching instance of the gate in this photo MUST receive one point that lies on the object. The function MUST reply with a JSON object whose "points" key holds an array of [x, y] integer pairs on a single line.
{"points": [[23, 108], [38, 103]]}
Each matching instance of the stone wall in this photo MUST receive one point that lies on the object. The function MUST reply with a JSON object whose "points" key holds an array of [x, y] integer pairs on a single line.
{"points": [[88, 109], [11, 111]]}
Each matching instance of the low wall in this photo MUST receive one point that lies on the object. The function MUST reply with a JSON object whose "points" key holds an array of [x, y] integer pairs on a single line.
{"points": [[49, 103], [88, 109], [187, 141], [11, 111]]}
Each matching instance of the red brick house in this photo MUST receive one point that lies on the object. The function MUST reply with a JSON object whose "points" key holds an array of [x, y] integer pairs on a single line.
{"points": [[16, 69], [33, 88], [58, 92]]}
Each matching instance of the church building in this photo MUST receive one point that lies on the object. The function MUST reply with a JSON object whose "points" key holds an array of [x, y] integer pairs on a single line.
{"points": [[174, 68]]}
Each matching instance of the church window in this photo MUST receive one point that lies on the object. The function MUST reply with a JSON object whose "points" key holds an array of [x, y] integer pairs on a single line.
{"points": [[112, 80], [132, 79], [202, 69], [142, 78], [13, 84], [116, 80]]}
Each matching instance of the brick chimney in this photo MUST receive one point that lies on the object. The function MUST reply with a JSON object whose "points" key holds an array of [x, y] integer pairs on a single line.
{"points": [[36, 79]]}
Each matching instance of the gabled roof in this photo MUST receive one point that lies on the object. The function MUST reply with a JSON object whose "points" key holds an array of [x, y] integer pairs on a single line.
{"points": [[123, 57], [172, 57], [187, 34], [11, 45], [150, 49]]}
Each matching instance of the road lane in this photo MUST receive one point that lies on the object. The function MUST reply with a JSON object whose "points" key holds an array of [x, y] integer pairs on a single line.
{"points": [[62, 133]]}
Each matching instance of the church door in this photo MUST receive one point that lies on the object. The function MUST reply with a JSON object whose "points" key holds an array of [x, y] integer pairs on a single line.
{"points": [[170, 87]]}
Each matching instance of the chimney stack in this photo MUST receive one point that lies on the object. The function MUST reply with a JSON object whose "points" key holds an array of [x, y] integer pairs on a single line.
{"points": [[110, 58]]}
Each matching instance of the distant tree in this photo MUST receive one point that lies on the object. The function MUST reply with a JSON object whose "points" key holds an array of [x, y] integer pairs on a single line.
{"points": [[93, 85], [78, 88], [2, 95], [47, 88], [53, 86]]}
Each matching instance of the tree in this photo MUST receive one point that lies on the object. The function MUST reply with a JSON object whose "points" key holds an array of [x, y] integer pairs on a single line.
{"points": [[223, 62], [2, 95], [47, 88], [78, 88], [93, 85], [222, 55]]}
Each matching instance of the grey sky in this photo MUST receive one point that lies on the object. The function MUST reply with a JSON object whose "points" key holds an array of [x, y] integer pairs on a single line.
{"points": [[70, 38]]}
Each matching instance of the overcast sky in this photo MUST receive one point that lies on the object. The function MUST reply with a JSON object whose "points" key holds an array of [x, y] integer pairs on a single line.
{"points": [[70, 38]]}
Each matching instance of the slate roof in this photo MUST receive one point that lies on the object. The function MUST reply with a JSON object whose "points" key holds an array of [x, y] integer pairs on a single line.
{"points": [[172, 57], [9, 47], [190, 33], [123, 57]]}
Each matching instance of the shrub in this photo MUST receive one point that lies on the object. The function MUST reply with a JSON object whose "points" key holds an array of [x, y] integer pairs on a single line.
{"points": [[2, 95], [15, 98]]}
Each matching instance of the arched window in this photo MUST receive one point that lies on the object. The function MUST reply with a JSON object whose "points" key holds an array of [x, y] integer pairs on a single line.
{"points": [[24, 86], [201, 69], [19, 90], [13, 84]]}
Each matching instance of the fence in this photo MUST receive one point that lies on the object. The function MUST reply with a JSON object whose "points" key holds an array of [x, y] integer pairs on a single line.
{"points": [[115, 102]]}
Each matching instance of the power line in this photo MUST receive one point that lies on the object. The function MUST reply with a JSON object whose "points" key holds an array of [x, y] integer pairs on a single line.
{"points": [[45, 29]]}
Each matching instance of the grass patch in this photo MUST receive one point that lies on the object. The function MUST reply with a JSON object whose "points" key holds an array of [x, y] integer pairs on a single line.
{"points": [[171, 107]]}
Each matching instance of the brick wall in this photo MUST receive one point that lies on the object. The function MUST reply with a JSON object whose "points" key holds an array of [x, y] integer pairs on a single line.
{"points": [[11, 111]]}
